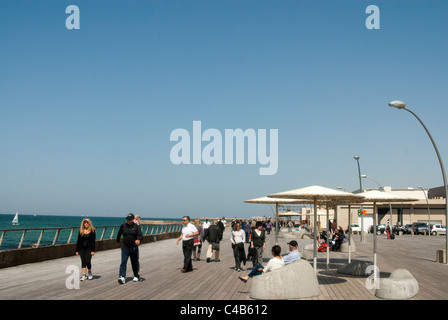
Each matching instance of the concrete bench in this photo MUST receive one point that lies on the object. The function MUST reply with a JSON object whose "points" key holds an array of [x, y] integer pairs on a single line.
{"points": [[344, 246], [293, 281], [400, 285]]}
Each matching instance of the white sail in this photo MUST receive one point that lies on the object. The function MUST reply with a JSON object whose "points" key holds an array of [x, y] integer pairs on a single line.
{"points": [[15, 221]]}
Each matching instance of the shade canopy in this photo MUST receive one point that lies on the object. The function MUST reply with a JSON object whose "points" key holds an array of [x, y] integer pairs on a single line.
{"points": [[276, 201], [272, 200], [383, 196], [289, 214], [322, 194]]}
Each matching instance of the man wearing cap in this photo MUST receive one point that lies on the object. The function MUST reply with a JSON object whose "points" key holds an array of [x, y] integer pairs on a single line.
{"points": [[132, 235], [294, 254]]}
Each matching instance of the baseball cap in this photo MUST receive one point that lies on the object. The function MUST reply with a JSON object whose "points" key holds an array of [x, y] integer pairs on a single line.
{"points": [[130, 217], [293, 243]]}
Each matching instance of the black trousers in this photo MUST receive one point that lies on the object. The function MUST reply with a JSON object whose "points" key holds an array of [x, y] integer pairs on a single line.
{"points": [[187, 248], [86, 257]]}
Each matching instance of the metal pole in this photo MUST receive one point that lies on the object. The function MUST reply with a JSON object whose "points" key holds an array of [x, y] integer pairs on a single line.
{"points": [[360, 207], [276, 223], [443, 174], [328, 225], [429, 213], [375, 275], [315, 234], [349, 234]]}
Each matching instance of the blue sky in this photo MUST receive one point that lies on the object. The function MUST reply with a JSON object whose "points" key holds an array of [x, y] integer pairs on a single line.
{"points": [[86, 115]]}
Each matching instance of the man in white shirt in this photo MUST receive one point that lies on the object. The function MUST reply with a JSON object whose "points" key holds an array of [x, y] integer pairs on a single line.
{"points": [[294, 254], [189, 232]]}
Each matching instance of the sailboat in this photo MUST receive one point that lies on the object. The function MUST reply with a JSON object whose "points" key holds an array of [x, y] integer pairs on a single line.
{"points": [[15, 221]]}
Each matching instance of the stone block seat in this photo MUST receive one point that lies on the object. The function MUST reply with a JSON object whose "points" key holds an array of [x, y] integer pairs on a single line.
{"points": [[400, 285], [293, 281], [344, 246]]}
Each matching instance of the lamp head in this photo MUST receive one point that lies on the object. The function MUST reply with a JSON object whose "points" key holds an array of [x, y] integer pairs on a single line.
{"points": [[397, 104], [363, 176], [356, 157]]}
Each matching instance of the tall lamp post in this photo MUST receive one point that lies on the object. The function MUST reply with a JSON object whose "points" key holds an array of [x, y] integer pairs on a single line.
{"points": [[401, 105], [360, 190]]}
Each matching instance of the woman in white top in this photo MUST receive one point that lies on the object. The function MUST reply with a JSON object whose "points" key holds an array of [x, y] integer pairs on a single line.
{"points": [[273, 264], [238, 238]]}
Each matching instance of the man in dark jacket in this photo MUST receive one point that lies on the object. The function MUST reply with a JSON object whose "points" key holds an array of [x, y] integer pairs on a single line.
{"points": [[213, 235], [132, 235]]}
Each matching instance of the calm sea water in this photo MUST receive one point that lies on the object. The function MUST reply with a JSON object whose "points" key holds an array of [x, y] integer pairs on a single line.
{"points": [[12, 238]]}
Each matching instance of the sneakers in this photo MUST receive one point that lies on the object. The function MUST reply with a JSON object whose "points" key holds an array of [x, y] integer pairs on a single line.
{"points": [[90, 276], [83, 278], [122, 280]]}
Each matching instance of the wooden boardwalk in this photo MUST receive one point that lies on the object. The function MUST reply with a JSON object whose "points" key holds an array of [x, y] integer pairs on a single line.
{"points": [[162, 279]]}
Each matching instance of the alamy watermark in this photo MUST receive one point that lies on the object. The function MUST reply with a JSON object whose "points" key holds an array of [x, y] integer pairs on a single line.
{"points": [[227, 148], [72, 281]]}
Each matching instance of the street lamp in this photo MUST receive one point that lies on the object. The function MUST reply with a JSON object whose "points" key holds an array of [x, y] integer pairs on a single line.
{"points": [[360, 190], [401, 105]]}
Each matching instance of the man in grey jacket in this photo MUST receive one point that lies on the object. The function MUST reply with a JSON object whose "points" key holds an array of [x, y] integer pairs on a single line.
{"points": [[213, 235]]}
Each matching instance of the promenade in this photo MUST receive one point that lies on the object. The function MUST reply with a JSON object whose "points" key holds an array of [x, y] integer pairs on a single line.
{"points": [[161, 262]]}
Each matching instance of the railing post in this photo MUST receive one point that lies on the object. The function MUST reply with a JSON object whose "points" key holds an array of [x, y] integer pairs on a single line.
{"points": [[1, 238], [102, 234], [21, 240], [56, 236], [40, 237], [112, 233], [70, 236]]}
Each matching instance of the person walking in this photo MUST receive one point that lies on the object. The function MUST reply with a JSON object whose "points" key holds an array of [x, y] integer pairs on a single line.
{"points": [[132, 236], [197, 242], [247, 231], [238, 238], [189, 232], [85, 247], [213, 235], [258, 241]]}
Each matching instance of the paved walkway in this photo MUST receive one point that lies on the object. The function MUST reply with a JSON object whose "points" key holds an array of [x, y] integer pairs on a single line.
{"points": [[162, 280]]}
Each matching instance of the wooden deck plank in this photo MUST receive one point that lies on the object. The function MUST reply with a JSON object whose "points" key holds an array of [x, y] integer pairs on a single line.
{"points": [[161, 262]]}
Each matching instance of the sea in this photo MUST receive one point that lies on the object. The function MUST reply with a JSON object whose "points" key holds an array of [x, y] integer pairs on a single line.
{"points": [[11, 239]]}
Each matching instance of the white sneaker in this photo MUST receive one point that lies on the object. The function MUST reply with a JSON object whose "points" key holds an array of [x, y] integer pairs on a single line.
{"points": [[90, 276], [136, 279], [83, 278], [121, 280]]}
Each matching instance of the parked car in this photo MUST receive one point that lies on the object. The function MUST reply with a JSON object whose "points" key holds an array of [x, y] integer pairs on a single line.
{"points": [[422, 227], [399, 230], [354, 228], [438, 229], [380, 228], [407, 228]]}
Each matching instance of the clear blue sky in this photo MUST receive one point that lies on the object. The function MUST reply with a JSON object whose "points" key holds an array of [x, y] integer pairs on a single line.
{"points": [[86, 115]]}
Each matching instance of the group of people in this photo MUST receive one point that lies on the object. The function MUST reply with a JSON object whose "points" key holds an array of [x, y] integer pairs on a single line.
{"points": [[193, 235], [213, 234]]}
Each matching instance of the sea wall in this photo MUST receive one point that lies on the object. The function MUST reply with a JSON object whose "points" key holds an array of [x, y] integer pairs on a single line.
{"points": [[11, 258]]}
